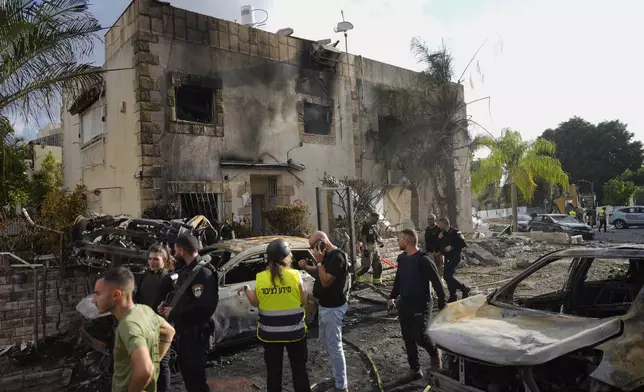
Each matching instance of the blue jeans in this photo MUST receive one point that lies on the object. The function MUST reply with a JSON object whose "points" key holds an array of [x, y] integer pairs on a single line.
{"points": [[330, 323]]}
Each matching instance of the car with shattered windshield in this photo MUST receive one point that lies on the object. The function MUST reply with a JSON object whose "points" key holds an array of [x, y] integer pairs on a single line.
{"points": [[572, 321], [237, 261]]}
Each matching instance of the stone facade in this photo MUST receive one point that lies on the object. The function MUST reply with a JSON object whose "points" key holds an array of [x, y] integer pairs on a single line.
{"points": [[261, 84]]}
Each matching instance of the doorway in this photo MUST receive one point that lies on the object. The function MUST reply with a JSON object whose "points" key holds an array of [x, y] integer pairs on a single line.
{"points": [[257, 206]]}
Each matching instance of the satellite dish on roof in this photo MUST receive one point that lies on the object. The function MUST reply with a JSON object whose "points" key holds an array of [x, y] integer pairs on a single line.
{"points": [[343, 27]]}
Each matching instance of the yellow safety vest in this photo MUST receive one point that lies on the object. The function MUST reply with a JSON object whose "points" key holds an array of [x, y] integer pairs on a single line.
{"points": [[602, 214], [281, 315], [572, 213]]}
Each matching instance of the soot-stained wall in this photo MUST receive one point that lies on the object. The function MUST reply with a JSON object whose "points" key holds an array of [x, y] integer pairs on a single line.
{"points": [[261, 82]]}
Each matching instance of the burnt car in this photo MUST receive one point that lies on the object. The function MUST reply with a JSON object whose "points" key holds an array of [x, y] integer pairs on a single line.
{"points": [[561, 223], [120, 240], [237, 262], [582, 331]]}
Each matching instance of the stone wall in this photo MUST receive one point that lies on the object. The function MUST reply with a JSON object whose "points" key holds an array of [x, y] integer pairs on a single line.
{"points": [[18, 308]]}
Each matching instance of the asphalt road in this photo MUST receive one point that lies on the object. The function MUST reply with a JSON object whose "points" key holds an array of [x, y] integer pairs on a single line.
{"points": [[624, 236]]}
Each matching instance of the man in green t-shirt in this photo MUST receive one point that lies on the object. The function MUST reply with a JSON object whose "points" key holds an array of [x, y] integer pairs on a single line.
{"points": [[142, 336]]}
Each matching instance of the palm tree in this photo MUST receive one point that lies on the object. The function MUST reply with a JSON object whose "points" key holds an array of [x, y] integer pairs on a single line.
{"points": [[41, 42], [519, 162], [429, 117]]}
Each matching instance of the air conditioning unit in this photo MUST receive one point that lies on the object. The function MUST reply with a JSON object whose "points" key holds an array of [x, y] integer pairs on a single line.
{"points": [[396, 178]]}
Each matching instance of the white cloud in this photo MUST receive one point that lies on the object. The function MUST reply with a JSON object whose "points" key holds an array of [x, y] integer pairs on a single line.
{"points": [[544, 61]]}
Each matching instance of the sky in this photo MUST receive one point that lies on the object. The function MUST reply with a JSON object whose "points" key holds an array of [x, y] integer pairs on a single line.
{"points": [[541, 62]]}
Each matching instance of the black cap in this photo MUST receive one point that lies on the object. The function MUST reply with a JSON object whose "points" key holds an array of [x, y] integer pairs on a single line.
{"points": [[188, 242], [277, 250]]}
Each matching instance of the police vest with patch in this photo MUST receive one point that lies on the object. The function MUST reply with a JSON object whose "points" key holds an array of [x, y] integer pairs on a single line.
{"points": [[281, 315]]}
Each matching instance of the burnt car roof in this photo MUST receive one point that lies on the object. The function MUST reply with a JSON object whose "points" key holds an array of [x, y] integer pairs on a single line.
{"points": [[625, 251], [241, 244]]}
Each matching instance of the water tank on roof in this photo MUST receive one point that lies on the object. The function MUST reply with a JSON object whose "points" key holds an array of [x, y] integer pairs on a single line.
{"points": [[247, 15]]}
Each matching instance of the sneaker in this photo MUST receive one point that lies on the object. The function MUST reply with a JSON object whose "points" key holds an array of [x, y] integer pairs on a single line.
{"points": [[466, 292], [412, 375]]}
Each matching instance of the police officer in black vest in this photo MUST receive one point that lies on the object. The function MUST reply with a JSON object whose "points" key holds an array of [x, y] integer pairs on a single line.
{"points": [[150, 292], [193, 303], [452, 243]]}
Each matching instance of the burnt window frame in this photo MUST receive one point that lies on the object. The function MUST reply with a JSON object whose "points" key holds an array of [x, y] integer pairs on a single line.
{"points": [[207, 90], [328, 112]]}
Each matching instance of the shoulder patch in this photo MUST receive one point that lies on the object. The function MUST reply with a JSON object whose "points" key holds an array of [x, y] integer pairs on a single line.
{"points": [[197, 290]]}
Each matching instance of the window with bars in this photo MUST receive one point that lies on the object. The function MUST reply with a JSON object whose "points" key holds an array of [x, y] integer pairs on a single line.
{"points": [[272, 186], [92, 122], [205, 204]]}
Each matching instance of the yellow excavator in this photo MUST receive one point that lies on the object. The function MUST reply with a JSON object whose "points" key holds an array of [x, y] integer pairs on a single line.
{"points": [[583, 205]]}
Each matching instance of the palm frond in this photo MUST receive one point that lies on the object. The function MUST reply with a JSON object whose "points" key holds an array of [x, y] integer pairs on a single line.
{"points": [[40, 44], [490, 172]]}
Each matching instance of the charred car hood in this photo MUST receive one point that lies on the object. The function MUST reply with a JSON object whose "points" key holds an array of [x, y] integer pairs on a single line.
{"points": [[515, 336]]}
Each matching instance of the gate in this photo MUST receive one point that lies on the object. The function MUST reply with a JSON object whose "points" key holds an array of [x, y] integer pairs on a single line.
{"points": [[335, 216]]}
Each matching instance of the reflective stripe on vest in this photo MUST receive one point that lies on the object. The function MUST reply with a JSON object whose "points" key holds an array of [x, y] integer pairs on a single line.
{"points": [[281, 315]]}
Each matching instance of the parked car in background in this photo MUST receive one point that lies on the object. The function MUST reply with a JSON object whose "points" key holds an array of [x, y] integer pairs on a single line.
{"points": [[624, 217], [522, 221], [560, 223]]}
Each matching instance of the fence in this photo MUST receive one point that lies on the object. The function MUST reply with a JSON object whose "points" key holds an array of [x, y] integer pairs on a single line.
{"points": [[498, 213]]}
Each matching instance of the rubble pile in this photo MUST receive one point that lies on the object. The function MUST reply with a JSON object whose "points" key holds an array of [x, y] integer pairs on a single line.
{"points": [[506, 249]]}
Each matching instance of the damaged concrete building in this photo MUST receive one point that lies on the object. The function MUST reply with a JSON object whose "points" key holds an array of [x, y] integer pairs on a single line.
{"points": [[228, 119]]}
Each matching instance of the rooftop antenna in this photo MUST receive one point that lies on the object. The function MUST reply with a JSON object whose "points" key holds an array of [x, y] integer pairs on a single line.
{"points": [[343, 27], [248, 17]]}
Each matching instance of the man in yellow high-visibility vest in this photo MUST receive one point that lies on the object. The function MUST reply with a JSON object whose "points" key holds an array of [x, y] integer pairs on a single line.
{"points": [[602, 219]]}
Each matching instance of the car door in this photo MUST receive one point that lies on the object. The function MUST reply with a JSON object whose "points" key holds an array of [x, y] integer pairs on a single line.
{"points": [[548, 224], [537, 224], [235, 316]]}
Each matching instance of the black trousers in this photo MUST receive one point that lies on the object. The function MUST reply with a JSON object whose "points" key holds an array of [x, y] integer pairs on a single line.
{"points": [[602, 223], [163, 383], [371, 259], [451, 263], [414, 319], [192, 351], [297, 356]]}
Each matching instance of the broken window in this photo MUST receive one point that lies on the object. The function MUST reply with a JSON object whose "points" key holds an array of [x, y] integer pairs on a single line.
{"points": [[302, 255], [246, 270], [543, 289], [608, 287], [584, 287], [193, 204], [195, 104], [387, 124], [317, 119]]}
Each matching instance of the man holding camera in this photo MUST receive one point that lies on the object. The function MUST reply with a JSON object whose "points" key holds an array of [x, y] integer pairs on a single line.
{"points": [[370, 256]]}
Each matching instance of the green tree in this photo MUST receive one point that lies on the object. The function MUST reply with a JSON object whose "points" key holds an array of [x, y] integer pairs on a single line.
{"points": [[41, 42], [45, 180], [519, 162], [618, 192], [595, 153], [14, 181]]}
